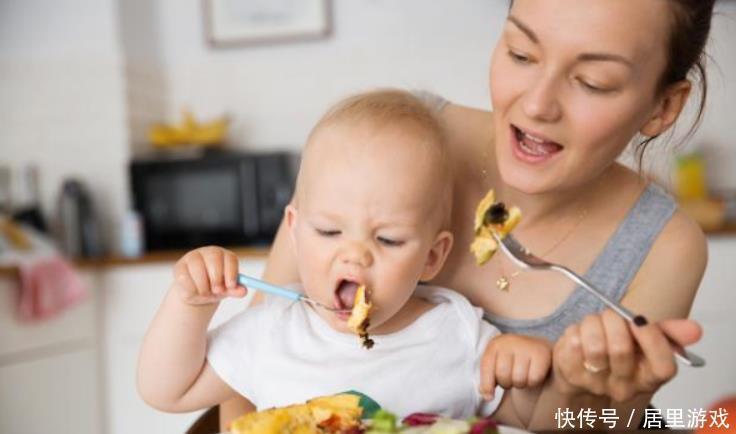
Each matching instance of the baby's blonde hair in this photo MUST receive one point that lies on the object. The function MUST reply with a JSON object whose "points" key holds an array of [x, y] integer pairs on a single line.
{"points": [[396, 108]]}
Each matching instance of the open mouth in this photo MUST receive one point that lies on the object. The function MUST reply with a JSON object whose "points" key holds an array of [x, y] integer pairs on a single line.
{"points": [[345, 293], [532, 148]]}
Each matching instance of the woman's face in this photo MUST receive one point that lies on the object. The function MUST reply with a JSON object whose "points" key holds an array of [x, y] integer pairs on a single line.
{"points": [[571, 83]]}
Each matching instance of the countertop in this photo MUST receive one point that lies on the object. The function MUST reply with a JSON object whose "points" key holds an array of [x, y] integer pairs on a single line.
{"points": [[260, 252]]}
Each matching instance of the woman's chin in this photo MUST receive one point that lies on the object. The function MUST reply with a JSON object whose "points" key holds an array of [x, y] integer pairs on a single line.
{"points": [[525, 181]]}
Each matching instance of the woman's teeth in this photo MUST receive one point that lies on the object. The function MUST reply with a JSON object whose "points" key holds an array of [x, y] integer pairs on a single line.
{"points": [[535, 145]]}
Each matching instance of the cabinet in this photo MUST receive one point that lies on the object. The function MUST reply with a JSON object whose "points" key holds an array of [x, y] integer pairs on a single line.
{"points": [[49, 371], [130, 296]]}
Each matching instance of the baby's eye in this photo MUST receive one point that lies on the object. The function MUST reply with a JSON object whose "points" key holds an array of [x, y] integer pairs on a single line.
{"points": [[327, 232], [389, 242]]}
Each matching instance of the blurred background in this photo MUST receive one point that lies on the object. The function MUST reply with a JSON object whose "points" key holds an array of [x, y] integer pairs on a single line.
{"points": [[111, 110]]}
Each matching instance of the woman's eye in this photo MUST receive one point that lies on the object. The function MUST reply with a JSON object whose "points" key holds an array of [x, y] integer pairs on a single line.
{"points": [[389, 242], [592, 87], [518, 57], [328, 232]]}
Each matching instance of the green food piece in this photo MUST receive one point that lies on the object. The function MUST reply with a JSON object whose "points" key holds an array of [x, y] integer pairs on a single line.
{"points": [[369, 406], [383, 422]]}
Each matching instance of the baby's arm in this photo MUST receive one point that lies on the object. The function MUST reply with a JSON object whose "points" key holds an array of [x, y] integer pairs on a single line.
{"points": [[173, 374]]}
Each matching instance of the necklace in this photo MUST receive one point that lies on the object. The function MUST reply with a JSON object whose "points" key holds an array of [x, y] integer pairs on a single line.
{"points": [[503, 283]]}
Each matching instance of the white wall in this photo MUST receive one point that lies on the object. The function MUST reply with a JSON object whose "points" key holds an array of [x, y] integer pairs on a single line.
{"points": [[61, 97], [277, 92]]}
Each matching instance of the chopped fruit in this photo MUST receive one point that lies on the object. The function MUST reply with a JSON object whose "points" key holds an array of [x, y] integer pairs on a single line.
{"points": [[359, 321], [336, 414], [491, 217]]}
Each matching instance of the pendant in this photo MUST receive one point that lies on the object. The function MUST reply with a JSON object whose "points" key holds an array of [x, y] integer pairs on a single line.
{"points": [[503, 283]]}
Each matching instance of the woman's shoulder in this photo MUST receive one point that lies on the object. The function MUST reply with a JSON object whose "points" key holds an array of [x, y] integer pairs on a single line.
{"points": [[673, 267]]}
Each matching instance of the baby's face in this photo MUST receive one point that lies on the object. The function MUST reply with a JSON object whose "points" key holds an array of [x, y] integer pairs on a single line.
{"points": [[365, 213]]}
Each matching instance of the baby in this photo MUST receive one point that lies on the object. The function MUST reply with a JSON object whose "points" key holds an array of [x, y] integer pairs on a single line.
{"points": [[372, 207]]}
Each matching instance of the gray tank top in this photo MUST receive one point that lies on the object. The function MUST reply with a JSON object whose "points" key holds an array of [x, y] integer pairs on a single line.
{"points": [[612, 271]]}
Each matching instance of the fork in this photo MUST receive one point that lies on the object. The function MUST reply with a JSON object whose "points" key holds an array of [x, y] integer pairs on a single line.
{"points": [[259, 285], [522, 257]]}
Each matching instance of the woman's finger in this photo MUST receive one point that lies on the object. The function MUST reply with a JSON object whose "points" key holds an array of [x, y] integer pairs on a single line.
{"points": [[683, 331], [657, 351], [595, 350], [621, 349], [568, 356]]}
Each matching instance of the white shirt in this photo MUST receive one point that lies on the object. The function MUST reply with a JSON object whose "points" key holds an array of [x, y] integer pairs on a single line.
{"points": [[281, 352]]}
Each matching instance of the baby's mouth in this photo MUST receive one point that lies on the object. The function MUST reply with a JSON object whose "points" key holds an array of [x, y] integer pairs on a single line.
{"points": [[345, 294]]}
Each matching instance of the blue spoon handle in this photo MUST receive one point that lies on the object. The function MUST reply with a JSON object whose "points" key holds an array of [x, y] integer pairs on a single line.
{"points": [[252, 283]]}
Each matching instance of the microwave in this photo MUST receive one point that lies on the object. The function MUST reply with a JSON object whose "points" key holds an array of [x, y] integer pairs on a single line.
{"points": [[219, 197]]}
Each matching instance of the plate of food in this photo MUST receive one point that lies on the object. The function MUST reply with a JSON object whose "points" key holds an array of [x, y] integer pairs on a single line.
{"points": [[354, 413]]}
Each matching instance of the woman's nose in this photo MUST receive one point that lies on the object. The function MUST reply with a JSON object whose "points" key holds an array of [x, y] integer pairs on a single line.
{"points": [[356, 253], [541, 101]]}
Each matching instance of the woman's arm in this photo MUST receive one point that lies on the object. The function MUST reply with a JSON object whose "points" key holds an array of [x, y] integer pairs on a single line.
{"points": [[632, 363], [280, 269]]}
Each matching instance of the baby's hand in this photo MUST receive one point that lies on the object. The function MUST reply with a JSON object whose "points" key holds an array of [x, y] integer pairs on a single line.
{"points": [[207, 275], [514, 361]]}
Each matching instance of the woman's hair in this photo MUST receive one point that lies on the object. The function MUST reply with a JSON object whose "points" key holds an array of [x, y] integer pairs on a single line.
{"points": [[690, 26]]}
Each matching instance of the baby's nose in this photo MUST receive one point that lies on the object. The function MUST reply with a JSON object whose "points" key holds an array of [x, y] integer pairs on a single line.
{"points": [[357, 254]]}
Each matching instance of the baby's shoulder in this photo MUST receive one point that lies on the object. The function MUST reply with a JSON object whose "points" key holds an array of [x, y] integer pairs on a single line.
{"points": [[461, 316]]}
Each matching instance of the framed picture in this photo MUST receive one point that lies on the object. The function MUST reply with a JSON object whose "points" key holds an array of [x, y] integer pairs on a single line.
{"points": [[250, 22]]}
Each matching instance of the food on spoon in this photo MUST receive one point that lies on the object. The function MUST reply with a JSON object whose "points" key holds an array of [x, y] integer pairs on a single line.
{"points": [[491, 217], [359, 320], [338, 414]]}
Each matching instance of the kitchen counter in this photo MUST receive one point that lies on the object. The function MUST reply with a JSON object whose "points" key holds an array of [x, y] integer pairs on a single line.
{"points": [[260, 252]]}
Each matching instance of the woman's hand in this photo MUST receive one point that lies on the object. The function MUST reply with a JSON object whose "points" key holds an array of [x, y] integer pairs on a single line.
{"points": [[606, 355], [207, 275], [514, 361]]}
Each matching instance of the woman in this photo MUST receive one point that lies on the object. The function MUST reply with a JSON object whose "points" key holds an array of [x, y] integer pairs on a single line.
{"points": [[571, 87]]}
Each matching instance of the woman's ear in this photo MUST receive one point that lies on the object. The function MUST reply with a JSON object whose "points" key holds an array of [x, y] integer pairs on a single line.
{"points": [[668, 109], [437, 255]]}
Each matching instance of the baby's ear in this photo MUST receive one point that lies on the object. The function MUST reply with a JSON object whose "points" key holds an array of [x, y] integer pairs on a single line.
{"points": [[290, 216], [437, 255]]}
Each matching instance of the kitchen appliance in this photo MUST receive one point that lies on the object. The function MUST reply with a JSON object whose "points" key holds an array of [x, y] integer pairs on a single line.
{"points": [[219, 197], [79, 229]]}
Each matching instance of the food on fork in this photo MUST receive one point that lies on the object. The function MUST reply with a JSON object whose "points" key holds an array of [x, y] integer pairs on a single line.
{"points": [[359, 321], [491, 217], [337, 414]]}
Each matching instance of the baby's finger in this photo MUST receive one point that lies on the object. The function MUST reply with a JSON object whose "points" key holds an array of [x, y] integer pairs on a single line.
{"points": [[184, 281], [488, 374], [520, 372], [504, 369], [198, 273], [595, 351], [214, 258], [231, 271], [237, 292], [538, 370], [621, 350]]}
